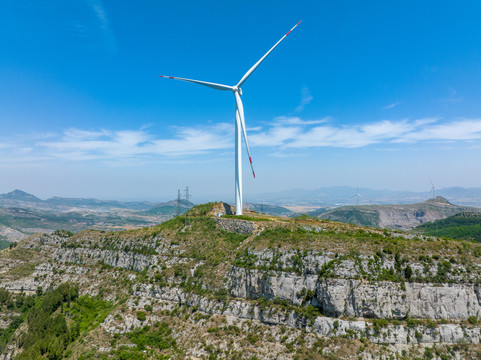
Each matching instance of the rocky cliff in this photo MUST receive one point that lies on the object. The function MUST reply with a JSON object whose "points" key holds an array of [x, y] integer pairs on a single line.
{"points": [[259, 288]]}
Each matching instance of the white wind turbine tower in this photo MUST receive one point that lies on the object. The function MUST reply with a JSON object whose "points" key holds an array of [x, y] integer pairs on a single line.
{"points": [[239, 121]]}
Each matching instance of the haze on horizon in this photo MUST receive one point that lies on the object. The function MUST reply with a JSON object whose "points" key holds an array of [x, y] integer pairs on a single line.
{"points": [[377, 95]]}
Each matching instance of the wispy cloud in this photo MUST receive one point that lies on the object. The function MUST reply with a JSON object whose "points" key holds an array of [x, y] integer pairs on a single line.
{"points": [[385, 131], [76, 144], [275, 136], [306, 99], [283, 136], [294, 120], [103, 22], [452, 97], [461, 130], [390, 106]]}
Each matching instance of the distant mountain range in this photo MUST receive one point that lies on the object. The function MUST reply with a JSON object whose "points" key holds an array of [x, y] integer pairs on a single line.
{"points": [[22, 214], [345, 195], [19, 198], [404, 217]]}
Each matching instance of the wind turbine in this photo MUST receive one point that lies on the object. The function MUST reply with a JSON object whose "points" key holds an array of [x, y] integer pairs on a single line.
{"points": [[433, 188], [239, 121], [357, 196]]}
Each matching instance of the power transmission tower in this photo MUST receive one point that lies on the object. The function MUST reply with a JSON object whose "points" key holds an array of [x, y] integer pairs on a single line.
{"points": [[177, 213], [187, 198]]}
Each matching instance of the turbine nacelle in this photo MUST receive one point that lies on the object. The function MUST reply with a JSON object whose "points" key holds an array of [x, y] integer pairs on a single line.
{"points": [[235, 89]]}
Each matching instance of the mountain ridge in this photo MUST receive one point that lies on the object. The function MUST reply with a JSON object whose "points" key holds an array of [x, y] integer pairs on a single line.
{"points": [[260, 287], [404, 217], [345, 195]]}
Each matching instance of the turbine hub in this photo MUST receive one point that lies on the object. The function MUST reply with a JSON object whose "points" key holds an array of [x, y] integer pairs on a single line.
{"points": [[237, 89]]}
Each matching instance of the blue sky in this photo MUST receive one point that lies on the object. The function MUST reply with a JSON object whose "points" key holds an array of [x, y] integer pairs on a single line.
{"points": [[374, 94]]}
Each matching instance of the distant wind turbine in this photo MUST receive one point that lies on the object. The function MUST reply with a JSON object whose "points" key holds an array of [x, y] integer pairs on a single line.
{"points": [[433, 188], [239, 121], [357, 195]]}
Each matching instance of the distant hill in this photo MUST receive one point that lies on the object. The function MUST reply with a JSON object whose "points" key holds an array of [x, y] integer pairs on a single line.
{"points": [[17, 223], [170, 208], [95, 203], [19, 195], [22, 214], [345, 195], [21, 199], [269, 209], [317, 212], [403, 217], [465, 226]]}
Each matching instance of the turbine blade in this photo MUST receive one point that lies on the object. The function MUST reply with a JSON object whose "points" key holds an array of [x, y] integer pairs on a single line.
{"points": [[240, 109], [205, 83], [251, 70]]}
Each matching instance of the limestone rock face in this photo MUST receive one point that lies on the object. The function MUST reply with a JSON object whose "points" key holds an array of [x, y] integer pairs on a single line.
{"points": [[238, 226], [380, 299], [121, 259], [318, 290]]}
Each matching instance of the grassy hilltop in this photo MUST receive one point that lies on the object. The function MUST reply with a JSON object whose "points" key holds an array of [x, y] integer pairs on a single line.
{"points": [[182, 291]]}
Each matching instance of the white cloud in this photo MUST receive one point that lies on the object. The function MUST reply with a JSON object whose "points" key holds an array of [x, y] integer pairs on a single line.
{"points": [[283, 135], [461, 130], [103, 23], [306, 99], [294, 120], [354, 136], [77, 144], [275, 136], [390, 106]]}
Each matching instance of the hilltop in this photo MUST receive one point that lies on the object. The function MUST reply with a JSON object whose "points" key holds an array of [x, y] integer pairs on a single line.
{"points": [[255, 287], [404, 217], [465, 225], [170, 208]]}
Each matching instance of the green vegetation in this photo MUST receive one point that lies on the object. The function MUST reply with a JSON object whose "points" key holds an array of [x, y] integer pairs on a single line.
{"points": [[160, 338], [55, 320], [466, 226], [202, 241], [365, 216], [4, 244], [247, 217], [22, 270], [473, 320], [58, 320], [195, 257], [13, 304], [201, 210]]}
